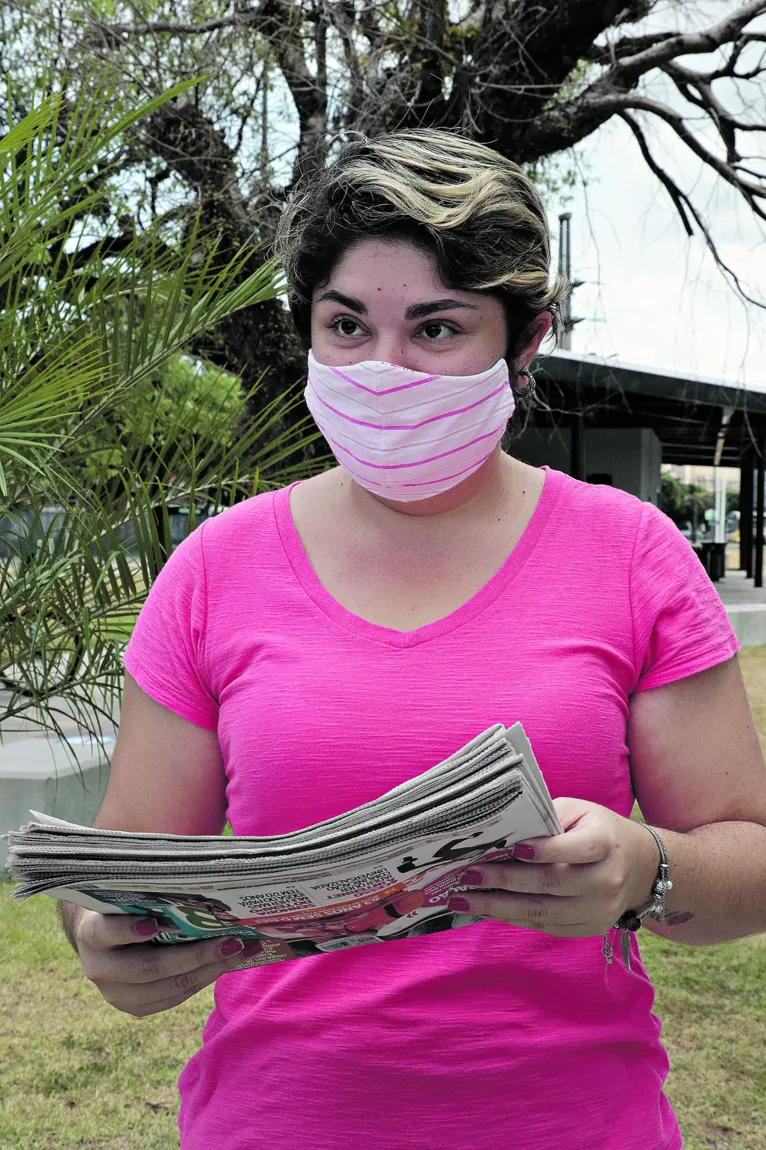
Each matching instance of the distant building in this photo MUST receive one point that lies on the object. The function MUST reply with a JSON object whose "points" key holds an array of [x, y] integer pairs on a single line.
{"points": [[613, 422], [701, 476], [606, 422]]}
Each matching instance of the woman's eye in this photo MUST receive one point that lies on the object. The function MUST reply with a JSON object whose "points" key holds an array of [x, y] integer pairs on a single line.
{"points": [[437, 329], [346, 326]]}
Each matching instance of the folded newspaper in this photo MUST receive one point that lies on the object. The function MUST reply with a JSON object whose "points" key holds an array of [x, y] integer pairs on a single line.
{"points": [[380, 872]]}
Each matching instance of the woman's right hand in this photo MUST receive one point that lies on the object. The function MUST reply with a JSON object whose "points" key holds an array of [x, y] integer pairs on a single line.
{"points": [[142, 979]]}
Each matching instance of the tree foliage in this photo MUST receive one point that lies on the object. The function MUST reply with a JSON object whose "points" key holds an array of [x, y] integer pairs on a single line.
{"points": [[96, 324], [684, 502], [288, 80], [185, 402]]}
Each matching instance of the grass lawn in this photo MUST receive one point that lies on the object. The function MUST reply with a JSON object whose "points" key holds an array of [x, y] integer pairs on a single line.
{"points": [[76, 1073]]}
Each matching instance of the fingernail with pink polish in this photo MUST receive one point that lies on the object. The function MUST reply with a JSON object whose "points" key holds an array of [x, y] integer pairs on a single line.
{"points": [[230, 946], [522, 851], [252, 948], [471, 878], [145, 927], [456, 903]]}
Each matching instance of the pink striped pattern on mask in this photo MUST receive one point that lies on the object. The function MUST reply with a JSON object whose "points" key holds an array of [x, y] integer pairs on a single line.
{"points": [[414, 463], [371, 436], [406, 426], [383, 489], [388, 390]]}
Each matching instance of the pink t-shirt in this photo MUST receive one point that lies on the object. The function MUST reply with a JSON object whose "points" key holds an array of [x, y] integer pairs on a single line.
{"points": [[480, 1037]]}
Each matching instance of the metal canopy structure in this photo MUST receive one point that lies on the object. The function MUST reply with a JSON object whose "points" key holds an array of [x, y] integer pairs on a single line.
{"points": [[696, 420]]}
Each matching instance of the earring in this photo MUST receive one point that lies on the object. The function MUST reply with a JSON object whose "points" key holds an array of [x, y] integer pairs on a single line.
{"points": [[526, 392]]}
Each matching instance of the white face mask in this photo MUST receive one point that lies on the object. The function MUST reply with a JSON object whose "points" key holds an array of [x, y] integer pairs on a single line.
{"points": [[406, 434]]}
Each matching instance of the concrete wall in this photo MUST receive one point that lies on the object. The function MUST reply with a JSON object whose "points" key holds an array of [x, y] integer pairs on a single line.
{"points": [[39, 774], [749, 623], [538, 446], [629, 458], [631, 455]]}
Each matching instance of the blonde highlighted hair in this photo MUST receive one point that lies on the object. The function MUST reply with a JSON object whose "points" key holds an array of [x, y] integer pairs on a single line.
{"points": [[476, 212]]}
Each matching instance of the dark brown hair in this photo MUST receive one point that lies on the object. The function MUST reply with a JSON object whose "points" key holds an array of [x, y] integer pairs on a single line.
{"points": [[477, 213]]}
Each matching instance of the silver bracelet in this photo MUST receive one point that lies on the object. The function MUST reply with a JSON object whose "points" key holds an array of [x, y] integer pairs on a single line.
{"points": [[630, 921], [661, 885]]}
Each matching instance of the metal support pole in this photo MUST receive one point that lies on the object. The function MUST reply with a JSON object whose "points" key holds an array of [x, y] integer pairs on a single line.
{"points": [[751, 536], [565, 270], [719, 485], [746, 513], [758, 565], [577, 448]]}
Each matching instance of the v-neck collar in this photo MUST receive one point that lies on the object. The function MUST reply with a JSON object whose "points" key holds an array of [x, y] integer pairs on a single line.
{"points": [[389, 636]]}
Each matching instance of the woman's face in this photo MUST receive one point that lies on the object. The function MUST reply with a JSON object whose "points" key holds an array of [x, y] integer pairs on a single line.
{"points": [[384, 301]]}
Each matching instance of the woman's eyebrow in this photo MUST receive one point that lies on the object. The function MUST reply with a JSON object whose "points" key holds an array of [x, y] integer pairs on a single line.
{"points": [[344, 300], [419, 310]]}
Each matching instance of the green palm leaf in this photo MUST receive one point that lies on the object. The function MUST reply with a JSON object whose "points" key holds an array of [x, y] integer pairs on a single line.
{"points": [[92, 326]]}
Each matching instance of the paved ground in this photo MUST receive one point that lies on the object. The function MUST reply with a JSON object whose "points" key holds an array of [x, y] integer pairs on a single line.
{"points": [[745, 604], [736, 591]]}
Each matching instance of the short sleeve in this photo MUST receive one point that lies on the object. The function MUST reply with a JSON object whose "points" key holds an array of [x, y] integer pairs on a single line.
{"points": [[165, 652], [680, 625]]}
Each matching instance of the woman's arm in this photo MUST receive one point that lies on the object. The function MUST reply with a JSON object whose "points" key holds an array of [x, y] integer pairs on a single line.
{"points": [[166, 775], [699, 778]]}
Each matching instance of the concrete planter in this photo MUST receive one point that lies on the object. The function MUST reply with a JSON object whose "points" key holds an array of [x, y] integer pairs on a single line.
{"points": [[38, 774]]}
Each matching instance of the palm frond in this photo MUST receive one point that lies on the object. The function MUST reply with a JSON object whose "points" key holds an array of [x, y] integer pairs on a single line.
{"points": [[90, 324]]}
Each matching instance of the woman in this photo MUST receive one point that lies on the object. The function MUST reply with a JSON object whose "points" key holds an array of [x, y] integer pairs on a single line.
{"points": [[309, 649]]}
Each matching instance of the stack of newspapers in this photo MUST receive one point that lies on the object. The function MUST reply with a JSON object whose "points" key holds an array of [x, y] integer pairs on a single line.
{"points": [[380, 872]]}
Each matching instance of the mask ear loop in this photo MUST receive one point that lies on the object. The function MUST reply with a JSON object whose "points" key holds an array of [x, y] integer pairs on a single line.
{"points": [[527, 391]]}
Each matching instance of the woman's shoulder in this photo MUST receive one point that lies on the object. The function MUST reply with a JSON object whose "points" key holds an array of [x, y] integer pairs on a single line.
{"points": [[252, 508], [597, 510], [605, 520], [242, 537], [598, 499], [251, 516]]}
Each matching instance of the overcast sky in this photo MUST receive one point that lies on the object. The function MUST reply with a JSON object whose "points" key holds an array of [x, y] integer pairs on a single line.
{"points": [[653, 297]]}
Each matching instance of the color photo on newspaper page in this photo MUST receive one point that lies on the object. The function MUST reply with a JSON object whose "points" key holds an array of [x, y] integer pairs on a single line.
{"points": [[376, 874], [393, 899]]}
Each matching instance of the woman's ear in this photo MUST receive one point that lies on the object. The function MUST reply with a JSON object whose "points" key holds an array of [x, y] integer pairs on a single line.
{"points": [[531, 339]]}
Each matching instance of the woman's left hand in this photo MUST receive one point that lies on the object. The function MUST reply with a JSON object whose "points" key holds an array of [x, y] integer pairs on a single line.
{"points": [[574, 885]]}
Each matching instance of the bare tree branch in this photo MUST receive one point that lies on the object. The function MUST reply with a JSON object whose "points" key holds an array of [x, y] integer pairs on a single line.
{"points": [[699, 91], [669, 184], [752, 191], [566, 123], [529, 77], [343, 17], [686, 208], [686, 44], [114, 33], [279, 21], [283, 32], [615, 50]]}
